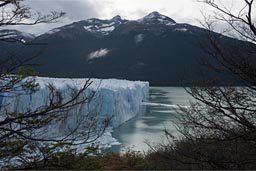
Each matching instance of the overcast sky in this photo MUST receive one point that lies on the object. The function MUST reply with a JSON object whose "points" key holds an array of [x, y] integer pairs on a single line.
{"points": [[182, 11]]}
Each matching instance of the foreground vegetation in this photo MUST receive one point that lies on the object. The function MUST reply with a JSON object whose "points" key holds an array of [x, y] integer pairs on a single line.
{"points": [[181, 154]]}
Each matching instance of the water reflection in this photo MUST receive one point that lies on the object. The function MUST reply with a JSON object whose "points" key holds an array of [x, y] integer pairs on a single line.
{"points": [[158, 115]]}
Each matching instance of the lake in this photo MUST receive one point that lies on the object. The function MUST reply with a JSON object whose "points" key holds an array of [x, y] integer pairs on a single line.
{"points": [[157, 114]]}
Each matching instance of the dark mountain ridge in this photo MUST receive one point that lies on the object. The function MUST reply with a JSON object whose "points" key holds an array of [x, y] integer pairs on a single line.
{"points": [[154, 48]]}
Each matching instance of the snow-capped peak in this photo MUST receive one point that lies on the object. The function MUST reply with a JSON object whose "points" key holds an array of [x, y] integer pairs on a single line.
{"points": [[156, 18], [117, 18], [100, 27], [153, 15], [103, 27]]}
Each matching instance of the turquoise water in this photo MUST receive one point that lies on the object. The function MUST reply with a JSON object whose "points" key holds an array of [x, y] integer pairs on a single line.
{"points": [[157, 115]]}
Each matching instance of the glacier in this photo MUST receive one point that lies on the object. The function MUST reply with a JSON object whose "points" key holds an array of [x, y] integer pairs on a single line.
{"points": [[119, 99]]}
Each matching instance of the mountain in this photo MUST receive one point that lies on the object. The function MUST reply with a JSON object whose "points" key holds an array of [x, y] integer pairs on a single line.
{"points": [[15, 35], [12, 43], [154, 48]]}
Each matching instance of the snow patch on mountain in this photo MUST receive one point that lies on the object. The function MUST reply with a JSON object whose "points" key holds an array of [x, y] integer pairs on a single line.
{"points": [[98, 54], [170, 24], [53, 31], [107, 30], [107, 25], [27, 35], [181, 29], [8, 34], [16, 35], [139, 38], [88, 28], [104, 27]]}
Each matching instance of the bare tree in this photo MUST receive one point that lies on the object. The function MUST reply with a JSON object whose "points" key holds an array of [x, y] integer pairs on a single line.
{"points": [[219, 127], [22, 134]]}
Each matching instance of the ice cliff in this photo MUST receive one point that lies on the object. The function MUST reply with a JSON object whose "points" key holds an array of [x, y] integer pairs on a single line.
{"points": [[120, 99]]}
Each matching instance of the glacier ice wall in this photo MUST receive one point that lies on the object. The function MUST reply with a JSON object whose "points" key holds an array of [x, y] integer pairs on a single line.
{"points": [[120, 99]]}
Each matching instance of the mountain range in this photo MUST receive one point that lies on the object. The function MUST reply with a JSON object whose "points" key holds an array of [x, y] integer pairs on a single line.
{"points": [[154, 48]]}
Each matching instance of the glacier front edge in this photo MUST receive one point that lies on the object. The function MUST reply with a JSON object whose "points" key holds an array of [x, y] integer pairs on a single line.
{"points": [[119, 99]]}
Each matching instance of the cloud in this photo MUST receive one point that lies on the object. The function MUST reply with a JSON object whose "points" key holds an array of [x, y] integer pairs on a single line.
{"points": [[182, 11], [98, 54], [75, 10]]}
